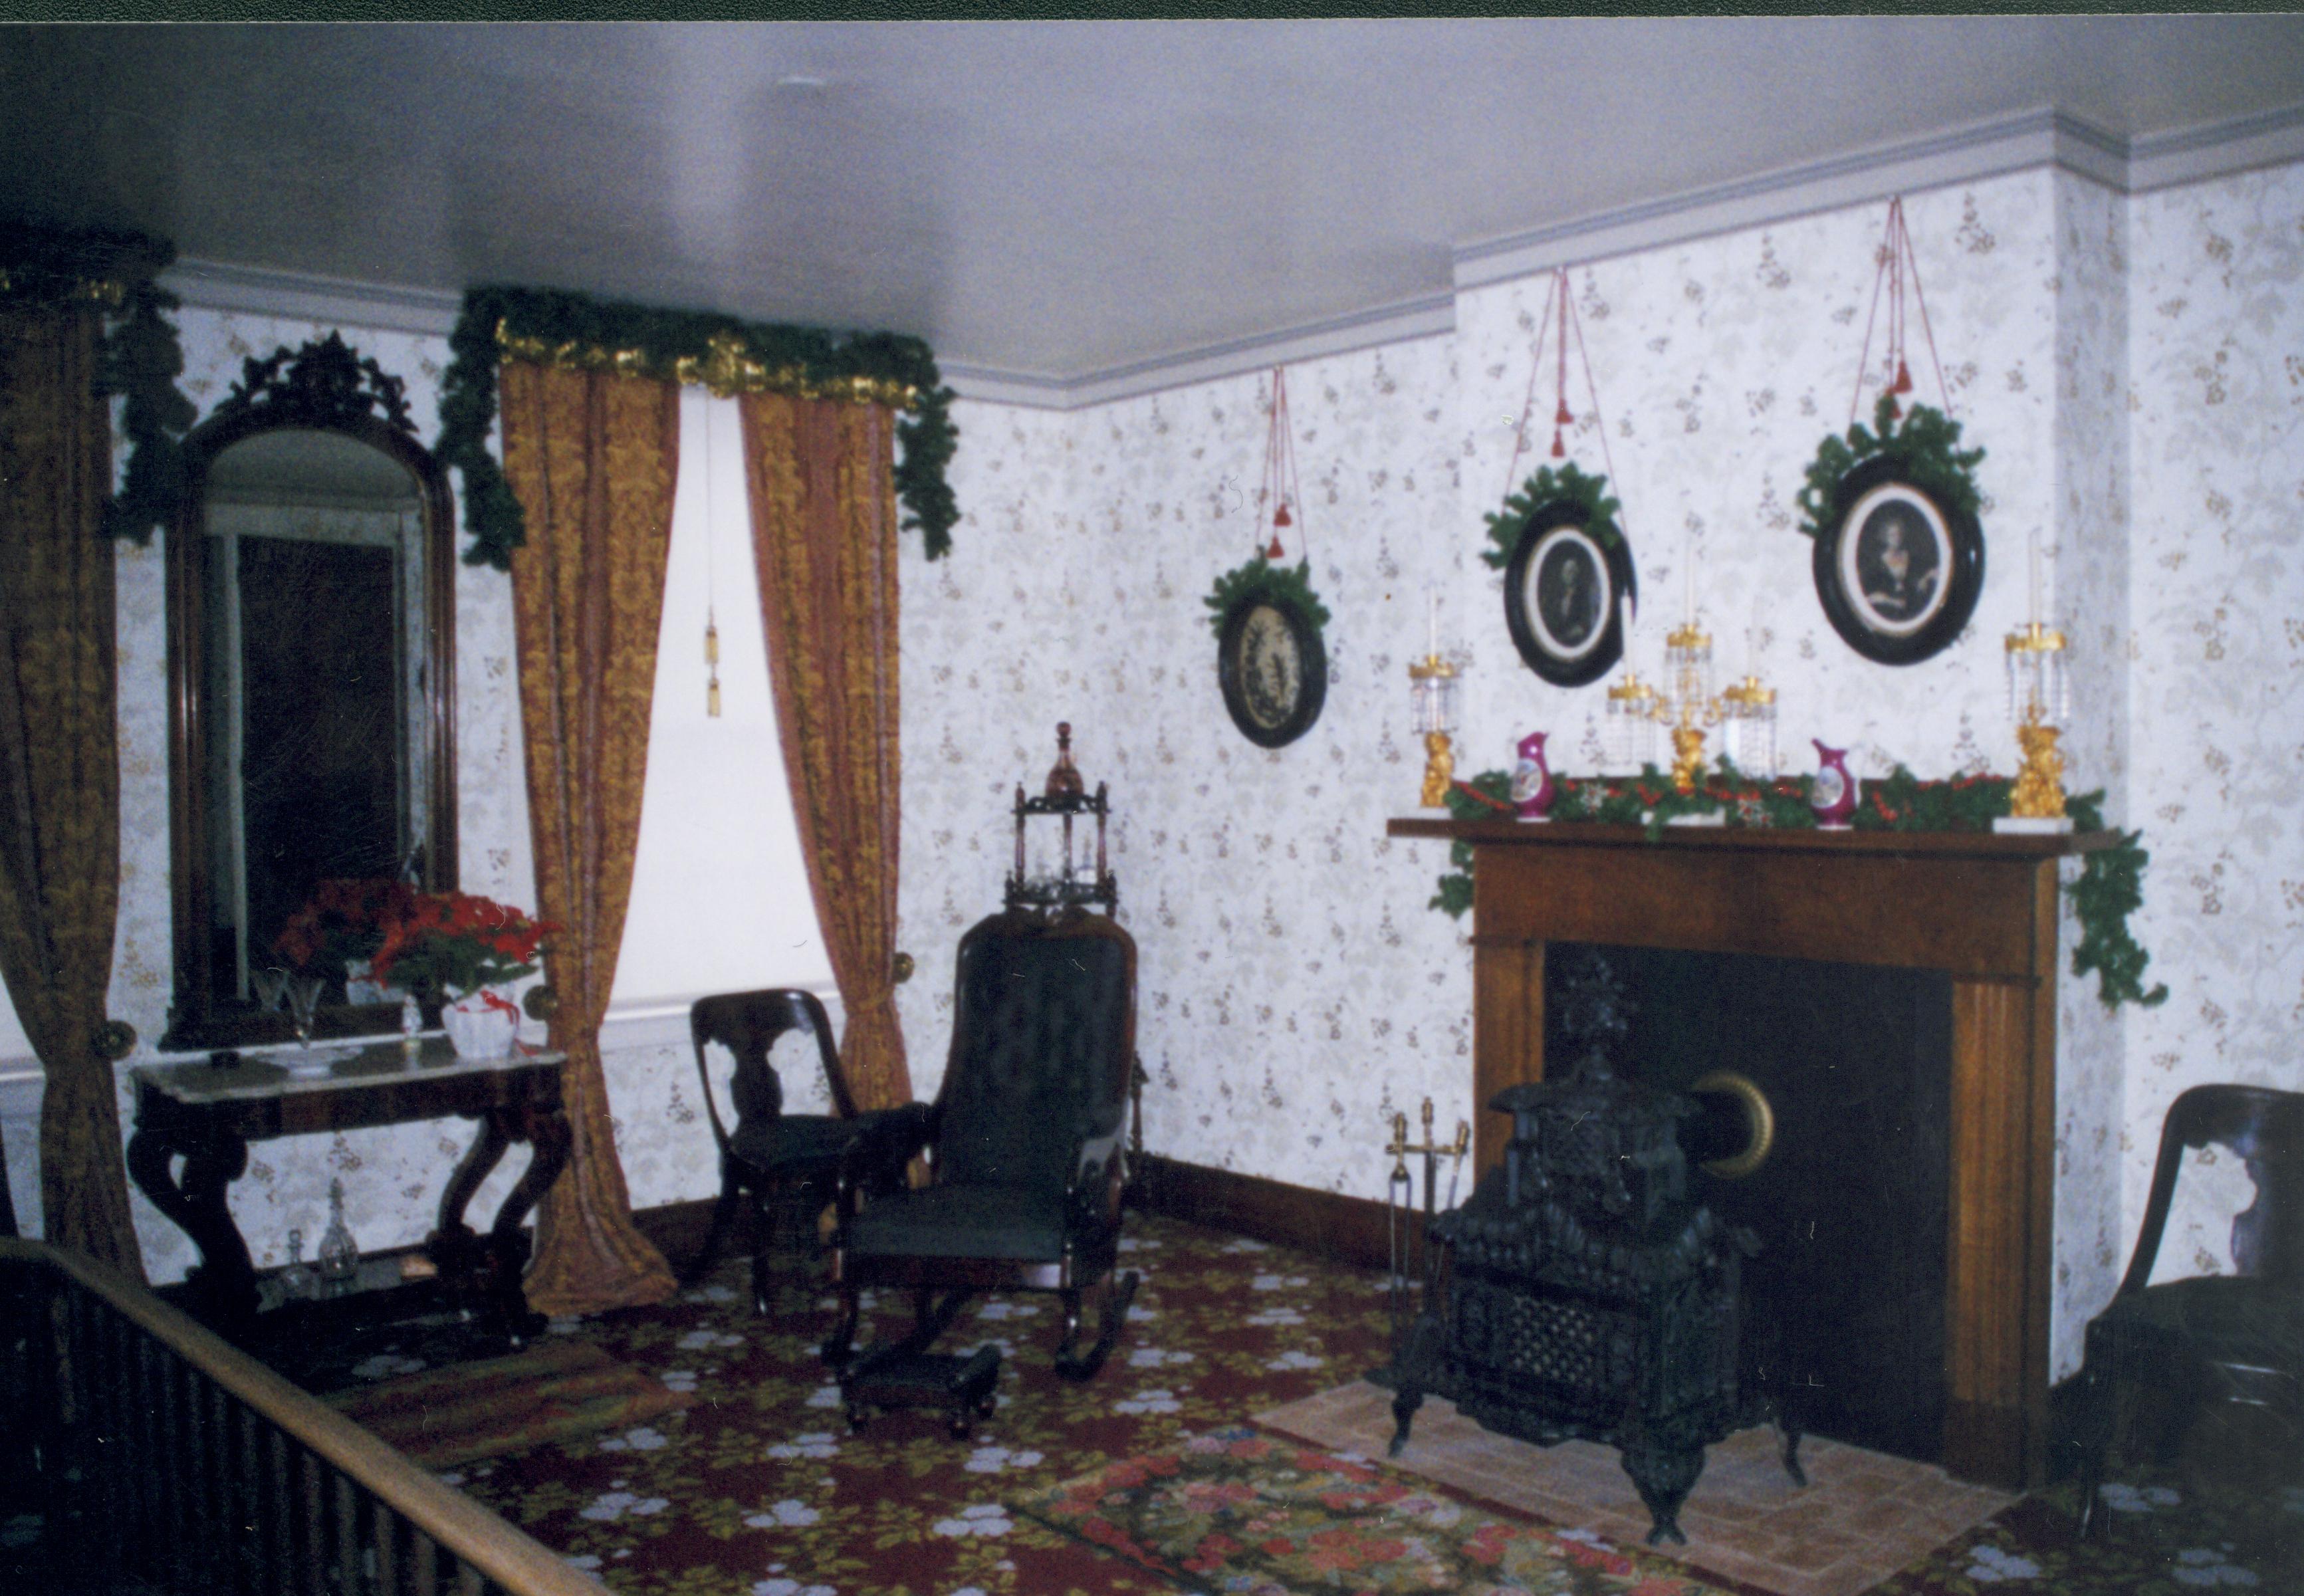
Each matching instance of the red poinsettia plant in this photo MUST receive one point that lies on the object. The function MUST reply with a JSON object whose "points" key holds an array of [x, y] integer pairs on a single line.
{"points": [[449, 944], [344, 922]]}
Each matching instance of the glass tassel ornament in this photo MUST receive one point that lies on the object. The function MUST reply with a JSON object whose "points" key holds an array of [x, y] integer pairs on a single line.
{"points": [[338, 1255], [712, 661]]}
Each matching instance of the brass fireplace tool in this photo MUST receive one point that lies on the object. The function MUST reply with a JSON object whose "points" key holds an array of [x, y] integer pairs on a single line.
{"points": [[1398, 1196]]}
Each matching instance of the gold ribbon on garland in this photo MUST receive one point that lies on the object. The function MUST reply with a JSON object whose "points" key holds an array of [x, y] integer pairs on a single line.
{"points": [[728, 369]]}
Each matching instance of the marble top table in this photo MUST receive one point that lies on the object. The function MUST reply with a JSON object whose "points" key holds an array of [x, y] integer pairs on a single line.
{"points": [[194, 1121]]}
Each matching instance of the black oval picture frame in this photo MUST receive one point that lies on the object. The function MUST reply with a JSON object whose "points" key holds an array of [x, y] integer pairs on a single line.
{"points": [[1272, 668], [1565, 590], [1897, 569]]}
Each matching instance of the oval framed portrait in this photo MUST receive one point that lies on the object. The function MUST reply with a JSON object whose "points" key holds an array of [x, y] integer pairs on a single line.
{"points": [[1272, 668], [1564, 596], [1898, 570]]}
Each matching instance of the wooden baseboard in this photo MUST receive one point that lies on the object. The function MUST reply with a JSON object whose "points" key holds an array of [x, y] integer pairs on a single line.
{"points": [[675, 1229], [1342, 1229], [1325, 1223]]}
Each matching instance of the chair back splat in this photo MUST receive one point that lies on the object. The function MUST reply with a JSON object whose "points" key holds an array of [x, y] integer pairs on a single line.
{"points": [[2264, 1129], [765, 1151]]}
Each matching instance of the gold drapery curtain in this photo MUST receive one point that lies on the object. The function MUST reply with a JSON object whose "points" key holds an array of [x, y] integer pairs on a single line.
{"points": [[824, 541], [59, 764], [592, 456]]}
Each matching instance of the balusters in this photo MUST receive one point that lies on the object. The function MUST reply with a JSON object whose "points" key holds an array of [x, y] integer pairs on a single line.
{"points": [[348, 1536]]}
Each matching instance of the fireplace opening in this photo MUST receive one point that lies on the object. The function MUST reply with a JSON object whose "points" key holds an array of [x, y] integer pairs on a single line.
{"points": [[1845, 1303]]}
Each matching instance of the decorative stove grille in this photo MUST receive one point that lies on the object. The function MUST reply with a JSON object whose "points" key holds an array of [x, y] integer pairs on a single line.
{"points": [[1580, 1293]]}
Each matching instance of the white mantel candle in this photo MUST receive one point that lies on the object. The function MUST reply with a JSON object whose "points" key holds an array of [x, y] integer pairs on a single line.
{"points": [[1432, 623], [2032, 598]]}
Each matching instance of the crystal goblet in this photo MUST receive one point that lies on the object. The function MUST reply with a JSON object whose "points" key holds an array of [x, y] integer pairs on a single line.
{"points": [[303, 1003]]}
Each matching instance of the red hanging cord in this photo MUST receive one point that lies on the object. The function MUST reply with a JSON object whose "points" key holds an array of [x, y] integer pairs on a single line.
{"points": [[1528, 403], [1599, 423], [1898, 262], [1282, 486], [1560, 416]]}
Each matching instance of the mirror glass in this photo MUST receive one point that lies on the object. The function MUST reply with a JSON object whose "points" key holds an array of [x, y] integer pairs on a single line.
{"points": [[313, 611], [312, 681]]}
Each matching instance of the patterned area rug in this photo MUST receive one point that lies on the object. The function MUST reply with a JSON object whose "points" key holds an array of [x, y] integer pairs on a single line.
{"points": [[554, 1392], [1236, 1511]]}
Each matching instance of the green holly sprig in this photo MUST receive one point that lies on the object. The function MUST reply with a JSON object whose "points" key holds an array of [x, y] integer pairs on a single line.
{"points": [[1548, 486], [1925, 449], [1285, 586], [2108, 890]]}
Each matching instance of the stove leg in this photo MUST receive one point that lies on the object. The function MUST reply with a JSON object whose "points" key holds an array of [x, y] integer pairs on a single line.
{"points": [[1788, 1430], [1405, 1401], [1664, 1475]]}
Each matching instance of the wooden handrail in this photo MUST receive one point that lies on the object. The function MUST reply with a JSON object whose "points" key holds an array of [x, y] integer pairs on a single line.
{"points": [[474, 1534]]}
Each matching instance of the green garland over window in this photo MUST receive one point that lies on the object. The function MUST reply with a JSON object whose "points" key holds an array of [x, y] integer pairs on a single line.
{"points": [[1925, 449], [726, 354], [1550, 487], [2109, 889], [140, 359]]}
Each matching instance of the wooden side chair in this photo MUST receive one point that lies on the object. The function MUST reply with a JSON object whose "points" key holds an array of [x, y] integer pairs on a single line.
{"points": [[2236, 1337], [777, 1158]]}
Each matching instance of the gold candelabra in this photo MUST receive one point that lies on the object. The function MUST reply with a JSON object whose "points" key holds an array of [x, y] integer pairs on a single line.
{"points": [[1685, 706], [1432, 690], [2039, 703]]}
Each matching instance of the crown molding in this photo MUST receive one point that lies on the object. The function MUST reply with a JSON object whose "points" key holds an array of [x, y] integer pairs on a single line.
{"points": [[1427, 316], [2042, 138], [2216, 149], [1965, 154], [257, 291]]}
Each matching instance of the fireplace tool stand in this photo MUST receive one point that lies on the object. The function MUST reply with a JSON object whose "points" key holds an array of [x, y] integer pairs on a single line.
{"points": [[1580, 1293], [1410, 1247]]}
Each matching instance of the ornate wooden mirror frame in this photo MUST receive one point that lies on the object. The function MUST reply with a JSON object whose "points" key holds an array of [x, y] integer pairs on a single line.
{"points": [[325, 386]]}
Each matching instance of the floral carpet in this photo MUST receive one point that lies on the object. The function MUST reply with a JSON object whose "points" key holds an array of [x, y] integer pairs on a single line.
{"points": [[1240, 1511], [760, 1489]]}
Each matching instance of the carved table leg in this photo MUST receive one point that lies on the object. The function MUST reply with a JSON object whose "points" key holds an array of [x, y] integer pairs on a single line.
{"points": [[223, 1283], [451, 1246], [547, 1132]]}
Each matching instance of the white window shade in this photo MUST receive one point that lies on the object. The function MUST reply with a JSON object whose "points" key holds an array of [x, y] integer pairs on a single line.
{"points": [[720, 899]]}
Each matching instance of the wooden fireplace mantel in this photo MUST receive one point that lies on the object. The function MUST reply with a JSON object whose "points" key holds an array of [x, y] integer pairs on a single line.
{"points": [[1979, 906]]}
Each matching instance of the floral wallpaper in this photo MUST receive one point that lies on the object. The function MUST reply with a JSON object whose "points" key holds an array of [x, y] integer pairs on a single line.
{"points": [[1296, 991], [2134, 368], [2215, 319]]}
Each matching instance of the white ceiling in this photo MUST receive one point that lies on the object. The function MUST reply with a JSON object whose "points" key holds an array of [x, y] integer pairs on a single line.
{"points": [[1043, 200]]}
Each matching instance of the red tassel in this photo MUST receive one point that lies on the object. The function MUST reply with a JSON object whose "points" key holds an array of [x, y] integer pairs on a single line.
{"points": [[1281, 517], [1563, 418], [1903, 383], [1275, 551], [1559, 449]]}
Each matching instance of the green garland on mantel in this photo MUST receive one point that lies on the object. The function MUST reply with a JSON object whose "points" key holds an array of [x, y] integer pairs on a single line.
{"points": [[2110, 887], [728, 355], [139, 359]]}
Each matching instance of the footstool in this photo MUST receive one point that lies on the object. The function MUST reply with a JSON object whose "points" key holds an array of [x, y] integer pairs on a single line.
{"points": [[895, 1378]]}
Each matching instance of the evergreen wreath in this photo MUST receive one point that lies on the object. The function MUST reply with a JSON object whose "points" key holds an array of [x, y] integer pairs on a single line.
{"points": [[1286, 587], [575, 329], [139, 359], [1543, 490], [1923, 451], [2109, 889]]}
